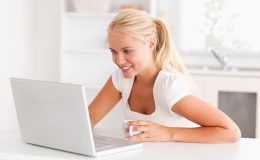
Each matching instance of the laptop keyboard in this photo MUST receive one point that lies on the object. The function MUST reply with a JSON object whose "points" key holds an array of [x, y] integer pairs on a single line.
{"points": [[99, 145], [100, 142], [101, 139]]}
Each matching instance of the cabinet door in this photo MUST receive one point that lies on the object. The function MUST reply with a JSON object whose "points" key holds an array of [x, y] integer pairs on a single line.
{"points": [[241, 107], [238, 97], [85, 57]]}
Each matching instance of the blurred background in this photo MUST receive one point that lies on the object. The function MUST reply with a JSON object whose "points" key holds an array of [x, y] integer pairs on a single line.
{"points": [[65, 41]]}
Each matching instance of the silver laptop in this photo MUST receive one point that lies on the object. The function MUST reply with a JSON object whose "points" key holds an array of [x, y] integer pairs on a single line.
{"points": [[55, 115]]}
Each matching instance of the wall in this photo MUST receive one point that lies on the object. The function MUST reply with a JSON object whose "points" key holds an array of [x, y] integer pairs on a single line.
{"points": [[29, 48], [48, 32]]}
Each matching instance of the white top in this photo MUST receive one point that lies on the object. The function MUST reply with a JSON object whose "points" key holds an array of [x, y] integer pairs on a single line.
{"points": [[168, 89]]}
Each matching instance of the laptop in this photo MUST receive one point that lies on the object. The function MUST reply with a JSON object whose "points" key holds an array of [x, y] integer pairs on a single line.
{"points": [[55, 115]]}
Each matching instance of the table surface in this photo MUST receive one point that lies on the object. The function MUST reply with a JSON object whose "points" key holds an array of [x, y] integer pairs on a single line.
{"points": [[12, 148]]}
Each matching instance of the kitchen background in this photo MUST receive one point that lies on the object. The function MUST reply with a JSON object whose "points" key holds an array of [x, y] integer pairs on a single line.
{"points": [[65, 40]]}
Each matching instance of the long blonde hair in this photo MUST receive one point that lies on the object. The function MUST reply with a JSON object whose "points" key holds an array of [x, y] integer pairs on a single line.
{"points": [[140, 25]]}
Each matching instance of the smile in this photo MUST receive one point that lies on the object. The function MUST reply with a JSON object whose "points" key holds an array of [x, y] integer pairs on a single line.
{"points": [[125, 68]]}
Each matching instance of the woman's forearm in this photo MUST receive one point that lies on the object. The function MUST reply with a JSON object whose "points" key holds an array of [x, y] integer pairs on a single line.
{"points": [[205, 135]]}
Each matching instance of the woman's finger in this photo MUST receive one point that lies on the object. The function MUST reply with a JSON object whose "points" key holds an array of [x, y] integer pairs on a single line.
{"points": [[138, 123], [139, 137], [140, 129]]}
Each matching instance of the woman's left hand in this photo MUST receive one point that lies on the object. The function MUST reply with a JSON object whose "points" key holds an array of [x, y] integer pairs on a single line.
{"points": [[150, 131]]}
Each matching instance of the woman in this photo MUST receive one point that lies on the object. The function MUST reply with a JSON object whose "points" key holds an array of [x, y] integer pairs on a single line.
{"points": [[155, 87]]}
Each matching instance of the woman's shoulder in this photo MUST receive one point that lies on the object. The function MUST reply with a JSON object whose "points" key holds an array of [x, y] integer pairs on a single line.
{"points": [[168, 81], [166, 77], [171, 87]]}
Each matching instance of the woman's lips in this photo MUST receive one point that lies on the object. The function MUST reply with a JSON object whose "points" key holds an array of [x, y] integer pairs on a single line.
{"points": [[126, 68]]}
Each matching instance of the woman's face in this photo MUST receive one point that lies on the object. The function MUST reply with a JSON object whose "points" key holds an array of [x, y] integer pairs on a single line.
{"points": [[131, 55]]}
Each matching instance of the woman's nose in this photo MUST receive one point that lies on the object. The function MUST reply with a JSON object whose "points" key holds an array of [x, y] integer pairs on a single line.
{"points": [[120, 59]]}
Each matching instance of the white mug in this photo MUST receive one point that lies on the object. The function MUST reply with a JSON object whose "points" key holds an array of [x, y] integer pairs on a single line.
{"points": [[128, 130]]}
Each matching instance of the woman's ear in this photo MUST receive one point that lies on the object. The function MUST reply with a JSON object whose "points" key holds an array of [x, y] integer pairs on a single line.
{"points": [[152, 43]]}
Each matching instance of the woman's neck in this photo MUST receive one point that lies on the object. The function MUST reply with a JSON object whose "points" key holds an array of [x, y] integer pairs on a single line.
{"points": [[147, 76]]}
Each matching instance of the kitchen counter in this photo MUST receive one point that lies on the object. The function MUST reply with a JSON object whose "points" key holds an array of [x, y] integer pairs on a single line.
{"points": [[221, 72]]}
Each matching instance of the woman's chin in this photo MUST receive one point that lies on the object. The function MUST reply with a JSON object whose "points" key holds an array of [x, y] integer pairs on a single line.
{"points": [[127, 75]]}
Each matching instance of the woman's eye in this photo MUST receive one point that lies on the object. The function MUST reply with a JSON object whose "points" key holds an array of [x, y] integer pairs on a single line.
{"points": [[127, 51], [112, 51]]}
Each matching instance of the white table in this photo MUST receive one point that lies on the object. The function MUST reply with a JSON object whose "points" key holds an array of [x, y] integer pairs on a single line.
{"points": [[12, 148]]}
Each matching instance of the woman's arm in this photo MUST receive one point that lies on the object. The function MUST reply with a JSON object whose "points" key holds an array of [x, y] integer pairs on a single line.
{"points": [[103, 103], [216, 127]]}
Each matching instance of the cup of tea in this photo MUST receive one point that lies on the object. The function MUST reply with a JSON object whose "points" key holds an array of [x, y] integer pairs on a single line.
{"points": [[129, 130]]}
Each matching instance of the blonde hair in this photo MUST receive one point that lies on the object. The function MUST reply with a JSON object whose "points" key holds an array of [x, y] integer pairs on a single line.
{"points": [[140, 25]]}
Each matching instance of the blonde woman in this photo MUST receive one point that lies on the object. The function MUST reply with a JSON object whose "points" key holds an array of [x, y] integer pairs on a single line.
{"points": [[155, 87]]}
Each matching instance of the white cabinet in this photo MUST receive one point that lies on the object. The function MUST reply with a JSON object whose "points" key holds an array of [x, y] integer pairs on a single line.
{"points": [[85, 58], [238, 96]]}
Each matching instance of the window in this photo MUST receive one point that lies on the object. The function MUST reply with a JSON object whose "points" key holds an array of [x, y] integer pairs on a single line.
{"points": [[229, 26]]}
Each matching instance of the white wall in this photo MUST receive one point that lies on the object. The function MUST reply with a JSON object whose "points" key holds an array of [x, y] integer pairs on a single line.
{"points": [[28, 48], [48, 35]]}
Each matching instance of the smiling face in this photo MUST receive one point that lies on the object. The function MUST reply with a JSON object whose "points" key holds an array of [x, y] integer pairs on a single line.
{"points": [[131, 55]]}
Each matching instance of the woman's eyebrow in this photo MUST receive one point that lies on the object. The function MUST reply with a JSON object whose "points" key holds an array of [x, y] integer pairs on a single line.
{"points": [[121, 48], [126, 48]]}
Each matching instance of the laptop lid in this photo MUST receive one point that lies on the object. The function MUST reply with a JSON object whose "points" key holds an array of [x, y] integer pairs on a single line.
{"points": [[53, 115]]}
